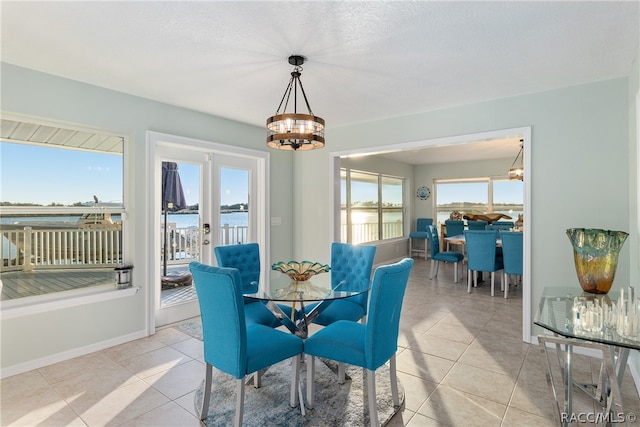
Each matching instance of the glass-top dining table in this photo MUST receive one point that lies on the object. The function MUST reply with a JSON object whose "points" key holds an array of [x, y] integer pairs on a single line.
{"points": [[286, 298]]}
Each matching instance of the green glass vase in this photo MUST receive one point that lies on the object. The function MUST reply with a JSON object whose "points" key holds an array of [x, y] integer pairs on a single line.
{"points": [[595, 253]]}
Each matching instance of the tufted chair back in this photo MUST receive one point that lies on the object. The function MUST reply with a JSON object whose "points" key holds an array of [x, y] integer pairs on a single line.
{"points": [[423, 223], [352, 264], [482, 254], [454, 228], [246, 258], [476, 224]]}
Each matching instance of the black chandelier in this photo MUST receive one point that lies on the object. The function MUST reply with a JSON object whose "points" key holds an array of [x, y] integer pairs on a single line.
{"points": [[295, 131]]}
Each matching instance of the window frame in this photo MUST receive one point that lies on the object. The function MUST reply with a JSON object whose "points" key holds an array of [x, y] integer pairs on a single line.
{"points": [[51, 301], [490, 191], [346, 228]]}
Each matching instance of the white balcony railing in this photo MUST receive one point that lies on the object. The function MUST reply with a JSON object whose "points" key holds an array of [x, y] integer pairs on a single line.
{"points": [[26, 248]]}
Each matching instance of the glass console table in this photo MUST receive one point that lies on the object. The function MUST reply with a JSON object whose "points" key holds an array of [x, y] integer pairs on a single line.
{"points": [[556, 314]]}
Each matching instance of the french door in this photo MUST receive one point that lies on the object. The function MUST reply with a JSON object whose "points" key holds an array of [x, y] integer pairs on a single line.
{"points": [[222, 206]]}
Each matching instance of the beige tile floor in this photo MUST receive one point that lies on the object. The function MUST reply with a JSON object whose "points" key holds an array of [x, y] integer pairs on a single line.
{"points": [[461, 361]]}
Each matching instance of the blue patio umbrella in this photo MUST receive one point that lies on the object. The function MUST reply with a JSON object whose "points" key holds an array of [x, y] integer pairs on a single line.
{"points": [[172, 199]]}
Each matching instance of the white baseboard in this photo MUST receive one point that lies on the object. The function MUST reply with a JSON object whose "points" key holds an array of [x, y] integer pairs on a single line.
{"points": [[66, 355]]}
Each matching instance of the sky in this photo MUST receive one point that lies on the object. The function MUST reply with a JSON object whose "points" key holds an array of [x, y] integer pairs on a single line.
{"points": [[45, 175]]}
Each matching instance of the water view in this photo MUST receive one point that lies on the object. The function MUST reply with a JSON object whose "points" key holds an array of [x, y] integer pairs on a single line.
{"points": [[181, 220]]}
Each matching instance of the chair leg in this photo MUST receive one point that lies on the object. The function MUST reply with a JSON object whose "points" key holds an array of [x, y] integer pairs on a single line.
{"points": [[341, 373], [468, 281], [239, 401], [455, 272], [505, 276], [207, 393], [475, 278], [371, 390], [493, 276], [431, 271], [295, 380], [394, 381], [310, 373]]}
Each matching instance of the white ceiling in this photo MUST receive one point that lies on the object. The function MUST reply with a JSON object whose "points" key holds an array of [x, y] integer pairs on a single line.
{"points": [[366, 60]]}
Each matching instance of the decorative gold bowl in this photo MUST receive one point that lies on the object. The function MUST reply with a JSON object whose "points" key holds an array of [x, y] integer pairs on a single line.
{"points": [[300, 271]]}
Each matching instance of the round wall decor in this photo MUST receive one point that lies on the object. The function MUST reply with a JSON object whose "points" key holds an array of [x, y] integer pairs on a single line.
{"points": [[423, 193]]}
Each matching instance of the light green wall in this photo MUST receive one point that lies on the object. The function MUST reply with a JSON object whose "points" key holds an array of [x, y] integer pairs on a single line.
{"points": [[579, 173], [32, 93]]}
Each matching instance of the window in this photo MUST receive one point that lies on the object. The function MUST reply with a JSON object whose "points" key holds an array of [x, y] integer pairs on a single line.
{"points": [[371, 206], [61, 194], [477, 196]]}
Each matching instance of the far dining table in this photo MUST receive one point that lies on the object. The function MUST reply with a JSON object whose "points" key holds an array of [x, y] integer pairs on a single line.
{"points": [[280, 290], [460, 240]]}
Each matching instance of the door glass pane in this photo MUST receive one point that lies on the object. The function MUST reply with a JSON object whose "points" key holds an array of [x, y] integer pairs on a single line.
{"points": [[234, 206], [180, 238]]}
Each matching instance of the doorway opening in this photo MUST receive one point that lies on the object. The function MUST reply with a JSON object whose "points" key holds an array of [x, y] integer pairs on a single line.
{"points": [[457, 140]]}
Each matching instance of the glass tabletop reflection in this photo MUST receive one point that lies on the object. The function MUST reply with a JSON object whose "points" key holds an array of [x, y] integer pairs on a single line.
{"points": [[280, 288]]}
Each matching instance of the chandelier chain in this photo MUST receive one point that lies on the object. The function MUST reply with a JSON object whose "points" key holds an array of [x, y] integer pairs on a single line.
{"points": [[286, 94]]}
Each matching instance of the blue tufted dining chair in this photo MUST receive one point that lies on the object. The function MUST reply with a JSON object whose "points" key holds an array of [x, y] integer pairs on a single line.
{"points": [[350, 268], [453, 228], [512, 253], [482, 255], [421, 233], [246, 258], [367, 345], [437, 256], [230, 344], [476, 224], [500, 225]]}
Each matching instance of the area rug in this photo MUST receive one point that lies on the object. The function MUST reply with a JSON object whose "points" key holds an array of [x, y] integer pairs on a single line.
{"points": [[335, 404]]}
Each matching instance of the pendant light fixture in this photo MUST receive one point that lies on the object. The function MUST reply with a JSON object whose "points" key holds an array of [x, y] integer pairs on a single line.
{"points": [[295, 131], [517, 172]]}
